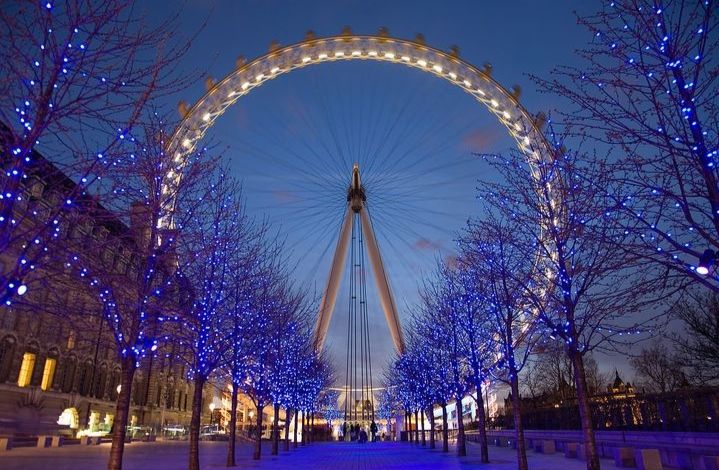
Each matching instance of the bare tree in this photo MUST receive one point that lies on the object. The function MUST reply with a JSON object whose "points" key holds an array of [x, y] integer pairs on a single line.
{"points": [[75, 79], [254, 262], [141, 294], [699, 343], [593, 295], [648, 89], [658, 369], [439, 324], [503, 276], [210, 256]]}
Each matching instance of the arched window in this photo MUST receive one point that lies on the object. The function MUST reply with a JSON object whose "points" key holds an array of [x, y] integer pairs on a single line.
{"points": [[7, 352], [100, 381], [48, 371], [27, 375], [114, 384], [68, 374], [86, 377]]}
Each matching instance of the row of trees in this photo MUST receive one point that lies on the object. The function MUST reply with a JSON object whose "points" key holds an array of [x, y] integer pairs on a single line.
{"points": [[582, 248], [161, 247]]}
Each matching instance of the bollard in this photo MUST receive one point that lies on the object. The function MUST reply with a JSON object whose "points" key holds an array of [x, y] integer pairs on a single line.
{"points": [[624, 457], [648, 459]]}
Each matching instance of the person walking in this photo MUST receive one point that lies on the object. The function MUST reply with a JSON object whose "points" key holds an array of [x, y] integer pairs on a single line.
{"points": [[373, 431]]}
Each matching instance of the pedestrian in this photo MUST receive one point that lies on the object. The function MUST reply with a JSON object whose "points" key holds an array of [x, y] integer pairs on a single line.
{"points": [[373, 431]]}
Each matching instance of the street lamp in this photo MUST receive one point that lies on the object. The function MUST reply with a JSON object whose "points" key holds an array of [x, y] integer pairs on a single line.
{"points": [[706, 261], [212, 411]]}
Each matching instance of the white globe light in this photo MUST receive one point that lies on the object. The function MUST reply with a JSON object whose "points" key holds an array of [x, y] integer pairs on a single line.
{"points": [[22, 289], [703, 270]]}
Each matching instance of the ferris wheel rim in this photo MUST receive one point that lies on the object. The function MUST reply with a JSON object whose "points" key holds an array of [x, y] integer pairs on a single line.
{"points": [[201, 116]]}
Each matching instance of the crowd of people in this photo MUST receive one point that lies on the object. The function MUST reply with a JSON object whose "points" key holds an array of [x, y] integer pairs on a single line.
{"points": [[356, 433]]}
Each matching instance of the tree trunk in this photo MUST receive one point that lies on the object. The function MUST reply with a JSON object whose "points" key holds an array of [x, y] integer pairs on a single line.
{"points": [[410, 436], [297, 424], [276, 430], [258, 444], [288, 416], [233, 427], [424, 438], [304, 428], [518, 429], [312, 426], [416, 427], [482, 423], [431, 427], [445, 431], [194, 463], [585, 412], [122, 411], [309, 429], [461, 444]]}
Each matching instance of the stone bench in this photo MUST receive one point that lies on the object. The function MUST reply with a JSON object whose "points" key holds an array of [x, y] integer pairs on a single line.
{"points": [[49, 441], [5, 443], [571, 450], [648, 459], [624, 457], [545, 447], [711, 463], [88, 440]]}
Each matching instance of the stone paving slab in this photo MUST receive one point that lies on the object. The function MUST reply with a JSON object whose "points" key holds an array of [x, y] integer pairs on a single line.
{"points": [[320, 456]]}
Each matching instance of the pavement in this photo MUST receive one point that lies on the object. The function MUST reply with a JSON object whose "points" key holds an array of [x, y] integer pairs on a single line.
{"points": [[321, 456]]}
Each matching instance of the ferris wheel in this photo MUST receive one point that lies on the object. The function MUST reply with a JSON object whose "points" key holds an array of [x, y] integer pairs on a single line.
{"points": [[299, 144]]}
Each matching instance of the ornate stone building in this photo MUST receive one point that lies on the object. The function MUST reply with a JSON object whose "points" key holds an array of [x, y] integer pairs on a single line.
{"points": [[58, 369]]}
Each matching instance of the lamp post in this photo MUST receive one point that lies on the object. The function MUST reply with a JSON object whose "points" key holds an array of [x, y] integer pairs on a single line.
{"points": [[707, 260], [212, 411]]}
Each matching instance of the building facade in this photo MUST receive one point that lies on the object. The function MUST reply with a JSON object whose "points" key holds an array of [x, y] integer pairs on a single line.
{"points": [[59, 371]]}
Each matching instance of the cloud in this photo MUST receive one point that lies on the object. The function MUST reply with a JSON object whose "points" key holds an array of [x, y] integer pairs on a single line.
{"points": [[425, 244], [481, 139], [285, 197]]}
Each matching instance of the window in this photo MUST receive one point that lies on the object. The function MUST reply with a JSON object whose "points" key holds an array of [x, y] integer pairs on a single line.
{"points": [[26, 369], [7, 351], [48, 373], [71, 340], [68, 376]]}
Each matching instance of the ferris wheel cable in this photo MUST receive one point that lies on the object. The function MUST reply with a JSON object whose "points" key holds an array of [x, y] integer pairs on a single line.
{"points": [[383, 240], [309, 123], [316, 239], [429, 152], [423, 139], [389, 131], [412, 173], [392, 214], [319, 180], [407, 245], [339, 150], [409, 123], [329, 124], [347, 128], [307, 166], [348, 383], [419, 123], [366, 324], [306, 198], [360, 306]]}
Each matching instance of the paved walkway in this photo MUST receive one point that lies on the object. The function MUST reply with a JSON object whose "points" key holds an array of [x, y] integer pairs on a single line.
{"points": [[321, 456]]}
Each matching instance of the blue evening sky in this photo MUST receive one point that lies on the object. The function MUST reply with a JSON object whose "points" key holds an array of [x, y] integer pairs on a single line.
{"points": [[292, 141]]}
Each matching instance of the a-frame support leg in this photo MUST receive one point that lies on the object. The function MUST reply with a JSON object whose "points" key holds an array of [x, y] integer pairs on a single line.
{"points": [[329, 297], [380, 277]]}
